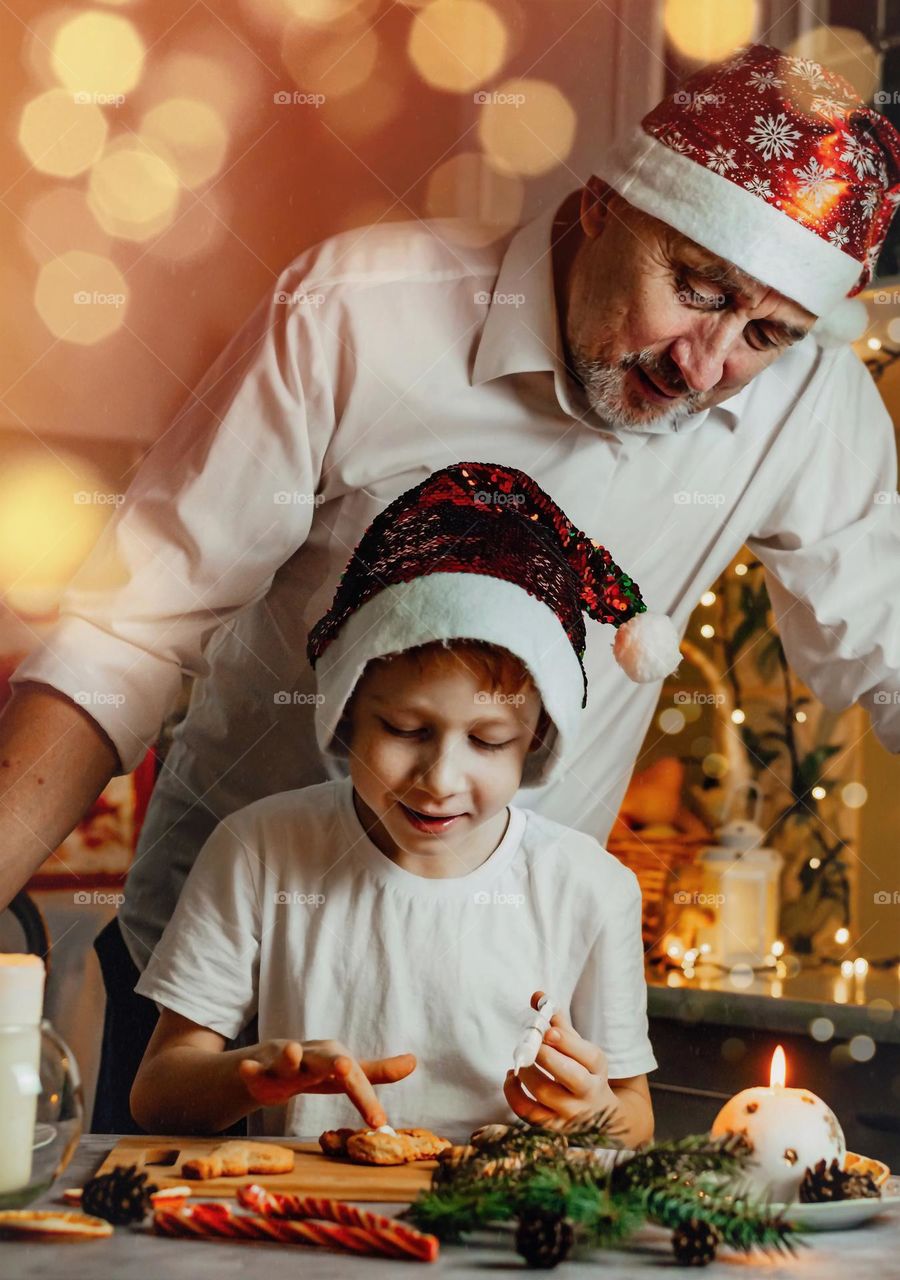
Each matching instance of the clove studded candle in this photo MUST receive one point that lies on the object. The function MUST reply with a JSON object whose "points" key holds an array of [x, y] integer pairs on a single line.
{"points": [[789, 1130], [21, 1001]]}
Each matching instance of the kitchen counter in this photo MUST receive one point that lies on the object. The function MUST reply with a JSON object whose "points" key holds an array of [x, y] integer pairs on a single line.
{"points": [[853, 1006], [871, 1250]]}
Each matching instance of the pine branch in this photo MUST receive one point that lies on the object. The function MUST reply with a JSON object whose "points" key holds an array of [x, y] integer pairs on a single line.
{"points": [[742, 1224]]}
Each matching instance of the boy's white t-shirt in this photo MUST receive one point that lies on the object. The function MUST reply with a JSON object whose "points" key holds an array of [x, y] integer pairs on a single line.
{"points": [[292, 914]]}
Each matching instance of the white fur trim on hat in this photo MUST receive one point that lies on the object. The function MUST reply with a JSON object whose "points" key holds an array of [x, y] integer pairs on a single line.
{"points": [[730, 222], [456, 606]]}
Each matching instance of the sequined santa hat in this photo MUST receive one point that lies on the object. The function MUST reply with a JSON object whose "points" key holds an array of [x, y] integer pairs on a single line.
{"points": [[481, 552], [774, 163]]}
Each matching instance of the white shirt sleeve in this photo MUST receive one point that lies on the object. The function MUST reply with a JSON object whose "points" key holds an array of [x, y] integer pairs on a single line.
{"points": [[609, 1003], [221, 501], [831, 552], [206, 965]]}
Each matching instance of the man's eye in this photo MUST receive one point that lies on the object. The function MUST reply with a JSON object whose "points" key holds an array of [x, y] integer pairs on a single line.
{"points": [[690, 296], [491, 746], [762, 341]]}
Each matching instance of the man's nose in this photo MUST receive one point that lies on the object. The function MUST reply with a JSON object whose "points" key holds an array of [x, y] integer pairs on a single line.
{"points": [[701, 353]]}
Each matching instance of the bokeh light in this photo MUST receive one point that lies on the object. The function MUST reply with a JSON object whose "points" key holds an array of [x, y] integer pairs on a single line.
{"points": [[189, 135], [844, 50], [358, 115], [323, 62], [671, 720], [46, 528], [465, 187], [457, 45], [197, 231], [225, 76], [274, 15], [706, 30], [98, 53], [60, 136], [81, 297], [854, 795], [133, 192], [526, 127], [59, 220]]}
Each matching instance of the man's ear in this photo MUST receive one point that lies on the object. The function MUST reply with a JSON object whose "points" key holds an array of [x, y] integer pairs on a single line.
{"points": [[595, 197]]}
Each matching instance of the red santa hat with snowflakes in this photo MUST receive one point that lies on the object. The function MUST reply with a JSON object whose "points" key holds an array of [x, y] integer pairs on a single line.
{"points": [[776, 164]]}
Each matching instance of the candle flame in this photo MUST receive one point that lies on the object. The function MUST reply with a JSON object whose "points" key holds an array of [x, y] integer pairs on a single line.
{"points": [[778, 1070]]}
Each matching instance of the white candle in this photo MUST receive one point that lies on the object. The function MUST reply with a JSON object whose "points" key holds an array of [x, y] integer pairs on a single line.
{"points": [[21, 1001], [788, 1129]]}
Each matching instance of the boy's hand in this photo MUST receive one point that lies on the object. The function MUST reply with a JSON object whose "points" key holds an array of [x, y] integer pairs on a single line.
{"points": [[283, 1068], [580, 1081]]}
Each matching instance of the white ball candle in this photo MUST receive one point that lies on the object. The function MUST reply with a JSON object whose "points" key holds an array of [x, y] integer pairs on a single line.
{"points": [[789, 1130], [21, 1001]]}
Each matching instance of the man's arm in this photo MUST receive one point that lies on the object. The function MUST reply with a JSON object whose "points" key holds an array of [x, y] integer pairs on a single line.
{"points": [[54, 762]]}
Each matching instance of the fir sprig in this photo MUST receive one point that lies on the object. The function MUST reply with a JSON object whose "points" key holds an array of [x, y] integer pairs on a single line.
{"points": [[529, 1171]]}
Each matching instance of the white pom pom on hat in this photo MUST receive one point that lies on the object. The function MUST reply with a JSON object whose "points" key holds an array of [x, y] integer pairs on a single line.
{"points": [[646, 647], [846, 322]]}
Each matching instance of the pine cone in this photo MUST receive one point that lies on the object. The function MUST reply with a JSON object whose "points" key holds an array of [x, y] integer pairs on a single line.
{"points": [[121, 1196], [830, 1182], [544, 1239], [694, 1243]]}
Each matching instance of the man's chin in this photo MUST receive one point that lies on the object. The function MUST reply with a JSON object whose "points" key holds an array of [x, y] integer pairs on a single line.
{"points": [[625, 411]]}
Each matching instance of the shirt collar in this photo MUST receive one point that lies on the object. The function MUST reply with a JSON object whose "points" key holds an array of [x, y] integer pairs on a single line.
{"points": [[521, 333]]}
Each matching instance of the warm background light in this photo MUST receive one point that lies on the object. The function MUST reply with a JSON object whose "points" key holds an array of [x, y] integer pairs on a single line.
{"points": [[133, 192], [60, 220], [81, 297], [98, 53], [705, 30], [45, 531], [60, 136], [845, 51], [324, 61], [466, 187], [188, 134], [527, 127], [457, 45]]}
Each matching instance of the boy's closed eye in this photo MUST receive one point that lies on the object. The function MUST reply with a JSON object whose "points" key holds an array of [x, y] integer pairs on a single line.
{"points": [[415, 733]]}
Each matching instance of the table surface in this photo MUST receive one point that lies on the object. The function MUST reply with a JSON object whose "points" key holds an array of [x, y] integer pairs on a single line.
{"points": [[871, 1250]]}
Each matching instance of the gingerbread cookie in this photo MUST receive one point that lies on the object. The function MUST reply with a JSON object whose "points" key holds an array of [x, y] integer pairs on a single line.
{"points": [[383, 1146], [237, 1159]]}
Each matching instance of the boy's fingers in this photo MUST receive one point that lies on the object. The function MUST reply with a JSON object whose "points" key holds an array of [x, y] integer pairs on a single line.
{"points": [[546, 1091], [524, 1107], [249, 1068], [389, 1070], [359, 1090], [563, 1037], [288, 1061], [568, 1073]]}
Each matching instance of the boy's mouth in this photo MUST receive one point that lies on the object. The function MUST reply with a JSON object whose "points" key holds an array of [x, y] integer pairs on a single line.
{"points": [[428, 821]]}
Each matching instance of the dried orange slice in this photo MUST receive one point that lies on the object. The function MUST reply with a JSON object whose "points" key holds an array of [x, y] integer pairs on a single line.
{"points": [[48, 1224], [854, 1163]]}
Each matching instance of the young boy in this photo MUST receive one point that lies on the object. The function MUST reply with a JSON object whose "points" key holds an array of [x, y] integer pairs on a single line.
{"points": [[407, 906]]}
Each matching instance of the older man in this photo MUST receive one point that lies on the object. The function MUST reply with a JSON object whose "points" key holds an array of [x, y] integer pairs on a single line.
{"points": [[642, 352]]}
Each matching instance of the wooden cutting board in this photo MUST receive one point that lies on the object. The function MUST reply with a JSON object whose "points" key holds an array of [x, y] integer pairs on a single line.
{"points": [[313, 1173]]}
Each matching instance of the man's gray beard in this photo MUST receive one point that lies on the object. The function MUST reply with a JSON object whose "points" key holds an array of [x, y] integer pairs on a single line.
{"points": [[604, 387]]}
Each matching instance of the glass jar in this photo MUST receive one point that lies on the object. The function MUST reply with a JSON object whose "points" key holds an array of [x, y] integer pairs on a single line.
{"points": [[41, 1111]]}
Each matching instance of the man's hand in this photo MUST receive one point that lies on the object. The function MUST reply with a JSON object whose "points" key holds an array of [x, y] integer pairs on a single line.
{"points": [[283, 1068], [574, 1082]]}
